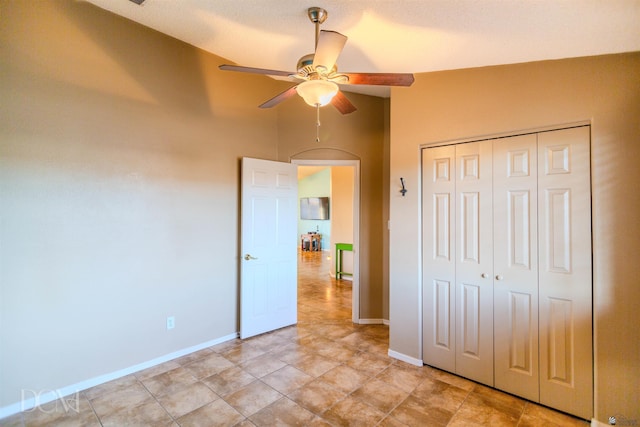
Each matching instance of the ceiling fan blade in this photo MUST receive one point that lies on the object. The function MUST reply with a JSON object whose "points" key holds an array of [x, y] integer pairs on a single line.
{"points": [[279, 98], [383, 79], [342, 103], [330, 44], [241, 69]]}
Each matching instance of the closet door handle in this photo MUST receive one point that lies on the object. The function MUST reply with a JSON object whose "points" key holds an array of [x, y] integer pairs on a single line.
{"points": [[498, 277], [484, 275]]}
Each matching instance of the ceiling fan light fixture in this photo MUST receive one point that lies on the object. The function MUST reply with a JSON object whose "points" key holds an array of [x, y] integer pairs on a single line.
{"points": [[317, 92]]}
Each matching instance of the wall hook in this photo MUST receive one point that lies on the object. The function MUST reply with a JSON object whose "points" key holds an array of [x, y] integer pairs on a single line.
{"points": [[404, 190]]}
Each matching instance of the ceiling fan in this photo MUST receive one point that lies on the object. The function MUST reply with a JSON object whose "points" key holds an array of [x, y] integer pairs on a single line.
{"points": [[319, 73]]}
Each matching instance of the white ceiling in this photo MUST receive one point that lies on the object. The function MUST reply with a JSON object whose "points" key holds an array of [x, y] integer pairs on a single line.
{"points": [[395, 35]]}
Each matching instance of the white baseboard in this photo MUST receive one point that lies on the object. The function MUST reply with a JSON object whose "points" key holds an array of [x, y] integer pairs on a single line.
{"points": [[371, 321], [405, 358], [385, 322], [46, 396]]}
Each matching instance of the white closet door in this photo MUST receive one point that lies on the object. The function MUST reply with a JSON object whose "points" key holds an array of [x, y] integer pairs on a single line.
{"points": [[565, 271], [474, 262], [516, 265], [438, 171]]}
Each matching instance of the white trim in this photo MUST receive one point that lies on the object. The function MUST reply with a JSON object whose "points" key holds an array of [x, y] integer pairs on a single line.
{"points": [[385, 322], [558, 126], [355, 287], [410, 360], [371, 321], [47, 396]]}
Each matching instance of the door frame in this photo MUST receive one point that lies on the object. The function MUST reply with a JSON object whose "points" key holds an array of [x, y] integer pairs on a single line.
{"points": [[355, 294]]}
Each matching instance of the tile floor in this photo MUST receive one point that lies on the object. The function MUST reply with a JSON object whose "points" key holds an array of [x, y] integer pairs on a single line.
{"points": [[325, 371]]}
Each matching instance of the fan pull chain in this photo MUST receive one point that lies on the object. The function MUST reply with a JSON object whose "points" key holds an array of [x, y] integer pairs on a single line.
{"points": [[317, 122]]}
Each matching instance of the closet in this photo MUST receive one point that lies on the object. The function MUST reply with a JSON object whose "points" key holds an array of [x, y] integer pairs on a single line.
{"points": [[507, 280]]}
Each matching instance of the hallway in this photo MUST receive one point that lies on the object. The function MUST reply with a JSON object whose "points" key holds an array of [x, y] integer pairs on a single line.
{"points": [[325, 371]]}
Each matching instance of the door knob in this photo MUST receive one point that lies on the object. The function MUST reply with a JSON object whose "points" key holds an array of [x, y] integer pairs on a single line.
{"points": [[498, 277], [484, 275], [248, 257]]}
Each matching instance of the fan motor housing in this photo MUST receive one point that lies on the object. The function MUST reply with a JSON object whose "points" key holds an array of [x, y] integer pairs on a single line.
{"points": [[305, 65]]}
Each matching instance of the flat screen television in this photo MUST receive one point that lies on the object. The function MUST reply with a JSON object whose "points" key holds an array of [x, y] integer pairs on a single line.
{"points": [[314, 208]]}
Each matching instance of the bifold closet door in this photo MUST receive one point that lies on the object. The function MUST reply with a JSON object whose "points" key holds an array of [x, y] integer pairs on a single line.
{"points": [[438, 257], [457, 259], [566, 361], [474, 262], [515, 210]]}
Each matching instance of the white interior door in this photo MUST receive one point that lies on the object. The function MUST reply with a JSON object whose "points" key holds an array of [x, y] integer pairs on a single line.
{"points": [[474, 261], [268, 277], [438, 257], [566, 380], [515, 195]]}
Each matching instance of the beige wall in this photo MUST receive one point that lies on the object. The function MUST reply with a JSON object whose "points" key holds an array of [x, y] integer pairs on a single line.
{"points": [[469, 103], [119, 172], [342, 194], [356, 136]]}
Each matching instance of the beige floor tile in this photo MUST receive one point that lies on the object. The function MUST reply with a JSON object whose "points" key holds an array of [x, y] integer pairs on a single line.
{"points": [[353, 412], [209, 365], [14, 420], [375, 346], [216, 414], [380, 395], [72, 410], [389, 421], [482, 411], [252, 398], [319, 422], [441, 394], [131, 396], [495, 399], [369, 363], [345, 378], [262, 365], [192, 357], [267, 342], [225, 346], [149, 413], [287, 379], [315, 365], [448, 378], [188, 399], [292, 352], [317, 396], [414, 412], [229, 381], [242, 353], [169, 382], [536, 415], [110, 387], [406, 379], [282, 412], [157, 370], [337, 351]]}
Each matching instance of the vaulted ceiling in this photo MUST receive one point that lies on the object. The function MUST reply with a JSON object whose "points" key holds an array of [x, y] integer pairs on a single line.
{"points": [[395, 35]]}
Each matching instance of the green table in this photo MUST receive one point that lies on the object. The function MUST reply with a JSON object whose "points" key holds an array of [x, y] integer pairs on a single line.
{"points": [[341, 247]]}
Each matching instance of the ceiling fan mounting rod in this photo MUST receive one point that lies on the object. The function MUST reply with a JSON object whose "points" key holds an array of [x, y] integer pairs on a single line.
{"points": [[317, 15]]}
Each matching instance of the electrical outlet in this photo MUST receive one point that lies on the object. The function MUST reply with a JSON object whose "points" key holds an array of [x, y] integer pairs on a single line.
{"points": [[171, 322]]}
